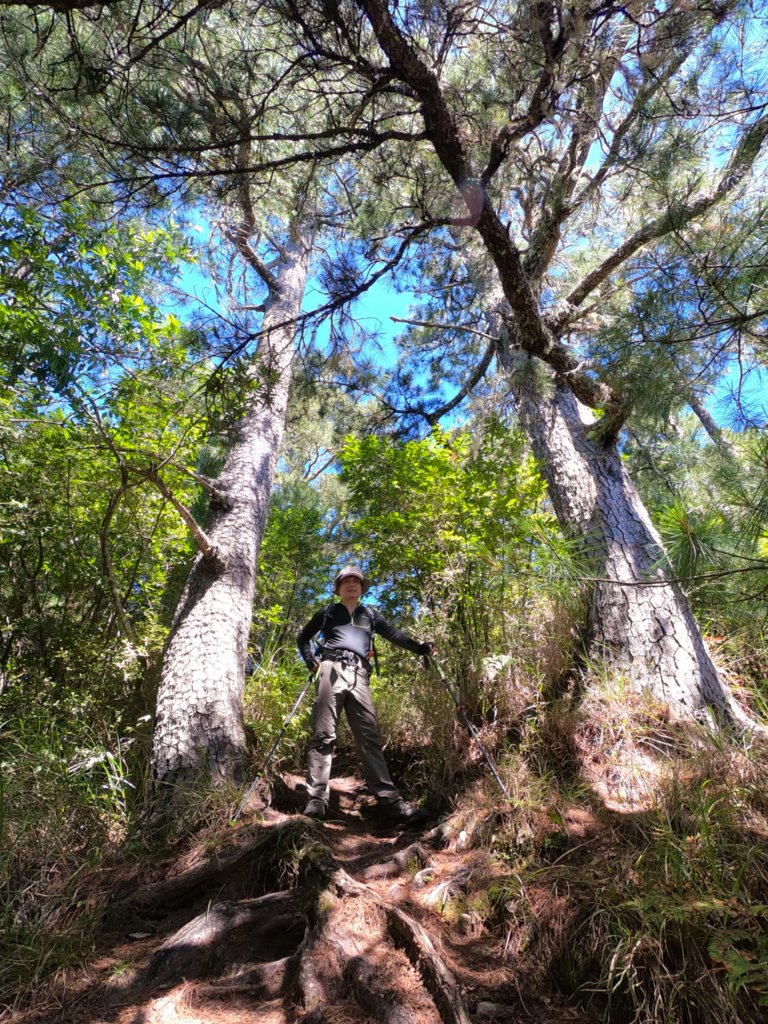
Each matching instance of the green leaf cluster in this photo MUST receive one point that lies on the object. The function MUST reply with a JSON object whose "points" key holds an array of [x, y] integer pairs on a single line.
{"points": [[74, 293], [432, 508]]}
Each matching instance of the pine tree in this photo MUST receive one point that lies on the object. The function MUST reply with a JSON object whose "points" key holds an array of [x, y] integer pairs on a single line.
{"points": [[567, 144], [193, 113]]}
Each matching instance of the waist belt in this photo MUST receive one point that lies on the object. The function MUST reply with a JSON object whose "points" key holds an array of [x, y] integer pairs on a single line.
{"points": [[348, 658]]}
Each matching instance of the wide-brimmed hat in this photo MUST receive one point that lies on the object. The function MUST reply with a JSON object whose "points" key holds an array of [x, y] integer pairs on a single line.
{"points": [[352, 570]]}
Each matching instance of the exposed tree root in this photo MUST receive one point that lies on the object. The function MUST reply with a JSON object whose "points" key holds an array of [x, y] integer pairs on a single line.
{"points": [[260, 981], [334, 947], [331, 941], [351, 952], [449, 889], [246, 868], [267, 929], [439, 981], [375, 996], [413, 856]]}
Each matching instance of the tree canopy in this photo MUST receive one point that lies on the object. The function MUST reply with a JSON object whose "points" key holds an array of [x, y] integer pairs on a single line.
{"points": [[549, 460]]}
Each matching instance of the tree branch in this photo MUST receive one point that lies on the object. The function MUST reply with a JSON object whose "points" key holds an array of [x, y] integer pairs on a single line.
{"points": [[205, 482], [390, 264], [443, 327], [158, 461], [543, 100], [239, 238], [313, 476], [585, 119], [207, 549], [644, 94], [677, 217], [240, 235], [531, 331], [471, 384], [171, 30], [712, 429], [440, 128], [158, 174], [482, 368]]}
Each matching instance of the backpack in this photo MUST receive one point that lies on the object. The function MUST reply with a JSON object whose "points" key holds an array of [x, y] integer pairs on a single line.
{"points": [[373, 657]]}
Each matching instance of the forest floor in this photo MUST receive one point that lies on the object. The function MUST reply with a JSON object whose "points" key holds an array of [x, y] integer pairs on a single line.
{"points": [[287, 920]]}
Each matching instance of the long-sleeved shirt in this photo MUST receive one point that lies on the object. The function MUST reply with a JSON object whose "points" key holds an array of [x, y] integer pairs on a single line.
{"points": [[345, 632]]}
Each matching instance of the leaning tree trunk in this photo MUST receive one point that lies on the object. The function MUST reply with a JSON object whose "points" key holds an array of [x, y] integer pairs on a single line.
{"points": [[707, 421], [641, 624], [199, 719]]}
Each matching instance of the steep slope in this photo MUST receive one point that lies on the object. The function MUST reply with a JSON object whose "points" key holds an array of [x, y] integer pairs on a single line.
{"points": [[296, 921]]}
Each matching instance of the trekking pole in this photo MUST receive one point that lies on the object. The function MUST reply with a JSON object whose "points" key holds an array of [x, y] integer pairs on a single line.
{"points": [[273, 748], [470, 727]]}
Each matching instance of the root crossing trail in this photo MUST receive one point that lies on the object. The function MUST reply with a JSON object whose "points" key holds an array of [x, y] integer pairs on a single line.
{"points": [[297, 922]]}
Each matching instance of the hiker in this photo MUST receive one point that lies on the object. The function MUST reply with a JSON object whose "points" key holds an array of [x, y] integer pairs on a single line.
{"points": [[343, 682]]}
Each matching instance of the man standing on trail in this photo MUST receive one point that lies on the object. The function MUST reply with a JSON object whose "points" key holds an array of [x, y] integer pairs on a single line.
{"points": [[343, 682]]}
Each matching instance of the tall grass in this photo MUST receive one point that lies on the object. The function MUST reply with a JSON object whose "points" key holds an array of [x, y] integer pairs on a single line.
{"points": [[636, 852], [63, 807]]}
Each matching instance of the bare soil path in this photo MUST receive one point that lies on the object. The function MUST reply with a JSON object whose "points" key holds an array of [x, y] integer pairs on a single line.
{"points": [[298, 922]]}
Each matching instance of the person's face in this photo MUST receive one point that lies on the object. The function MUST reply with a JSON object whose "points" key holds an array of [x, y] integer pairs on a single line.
{"points": [[350, 589]]}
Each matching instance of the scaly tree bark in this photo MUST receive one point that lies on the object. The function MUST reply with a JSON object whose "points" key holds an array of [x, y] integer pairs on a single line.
{"points": [[199, 721], [640, 622]]}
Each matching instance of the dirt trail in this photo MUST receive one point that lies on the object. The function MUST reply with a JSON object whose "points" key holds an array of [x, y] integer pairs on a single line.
{"points": [[297, 922]]}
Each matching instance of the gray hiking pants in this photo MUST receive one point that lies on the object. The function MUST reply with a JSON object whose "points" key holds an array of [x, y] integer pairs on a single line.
{"points": [[340, 685]]}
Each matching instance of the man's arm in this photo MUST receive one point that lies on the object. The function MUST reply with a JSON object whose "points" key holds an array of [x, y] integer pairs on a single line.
{"points": [[304, 638], [397, 636]]}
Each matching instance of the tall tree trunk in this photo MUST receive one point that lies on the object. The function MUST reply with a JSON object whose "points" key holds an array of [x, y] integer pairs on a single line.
{"points": [[641, 624], [199, 720]]}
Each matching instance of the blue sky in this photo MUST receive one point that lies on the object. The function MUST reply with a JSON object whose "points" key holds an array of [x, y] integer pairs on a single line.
{"points": [[376, 307]]}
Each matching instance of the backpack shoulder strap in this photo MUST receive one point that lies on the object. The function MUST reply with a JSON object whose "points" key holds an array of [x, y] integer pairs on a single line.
{"points": [[369, 614], [372, 621], [326, 616]]}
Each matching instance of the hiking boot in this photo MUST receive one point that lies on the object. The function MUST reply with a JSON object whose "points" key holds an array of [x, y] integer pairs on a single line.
{"points": [[400, 812], [315, 809]]}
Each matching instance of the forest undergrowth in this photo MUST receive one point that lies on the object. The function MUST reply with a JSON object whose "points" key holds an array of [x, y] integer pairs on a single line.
{"points": [[625, 878]]}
